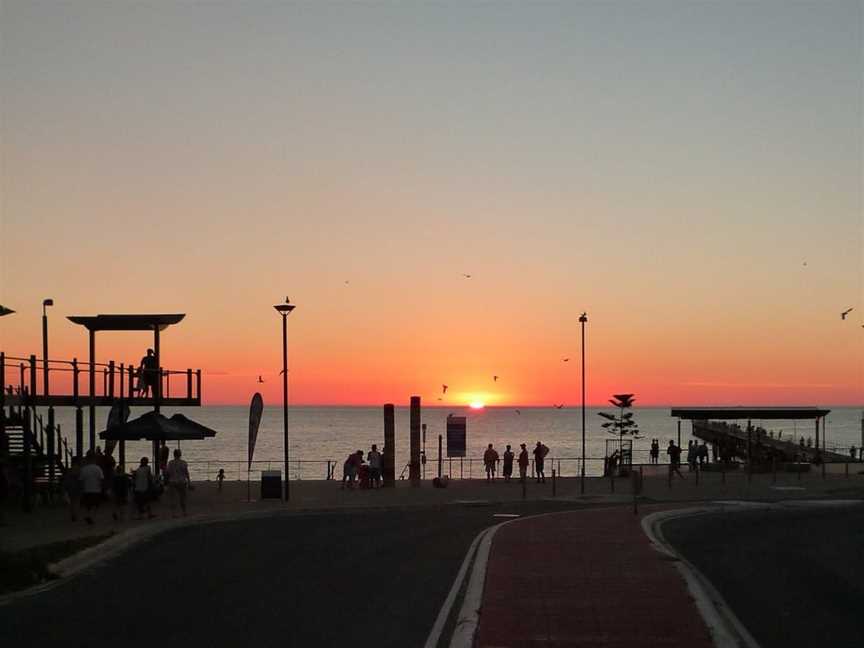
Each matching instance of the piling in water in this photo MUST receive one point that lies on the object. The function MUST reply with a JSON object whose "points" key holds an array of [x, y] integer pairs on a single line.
{"points": [[389, 472]]}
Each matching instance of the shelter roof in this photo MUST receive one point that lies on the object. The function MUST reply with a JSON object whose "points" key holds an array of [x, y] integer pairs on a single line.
{"points": [[738, 413], [127, 322]]}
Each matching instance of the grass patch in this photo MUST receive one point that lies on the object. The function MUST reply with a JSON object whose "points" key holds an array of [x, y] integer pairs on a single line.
{"points": [[23, 569]]}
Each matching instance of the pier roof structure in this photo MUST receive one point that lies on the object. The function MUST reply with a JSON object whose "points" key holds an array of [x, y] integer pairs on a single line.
{"points": [[742, 413], [127, 322]]}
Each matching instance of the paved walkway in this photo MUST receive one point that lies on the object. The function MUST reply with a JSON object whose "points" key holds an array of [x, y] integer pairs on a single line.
{"points": [[50, 523], [585, 578]]}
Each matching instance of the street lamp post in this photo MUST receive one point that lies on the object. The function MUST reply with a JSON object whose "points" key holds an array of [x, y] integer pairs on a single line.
{"points": [[583, 319], [45, 304], [284, 310]]}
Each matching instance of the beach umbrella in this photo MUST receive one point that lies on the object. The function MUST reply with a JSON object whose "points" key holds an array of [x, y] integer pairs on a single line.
{"points": [[5, 311], [155, 427]]}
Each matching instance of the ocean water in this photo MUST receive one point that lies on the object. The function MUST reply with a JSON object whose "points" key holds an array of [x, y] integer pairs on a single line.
{"points": [[321, 434]]}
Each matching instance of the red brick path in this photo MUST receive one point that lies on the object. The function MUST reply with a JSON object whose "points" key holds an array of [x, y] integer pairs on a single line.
{"points": [[585, 578]]}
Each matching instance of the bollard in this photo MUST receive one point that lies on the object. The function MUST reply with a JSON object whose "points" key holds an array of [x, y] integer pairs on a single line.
{"points": [[439, 456], [414, 429], [389, 447], [636, 482], [823, 470], [524, 488], [553, 483], [847, 470]]}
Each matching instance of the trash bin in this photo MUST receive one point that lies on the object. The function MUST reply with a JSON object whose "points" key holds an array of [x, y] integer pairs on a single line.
{"points": [[271, 484]]}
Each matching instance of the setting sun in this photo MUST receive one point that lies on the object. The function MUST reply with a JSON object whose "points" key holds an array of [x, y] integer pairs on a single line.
{"points": [[477, 405]]}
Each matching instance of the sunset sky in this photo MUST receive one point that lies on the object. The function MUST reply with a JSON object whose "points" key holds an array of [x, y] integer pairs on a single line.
{"points": [[690, 174]]}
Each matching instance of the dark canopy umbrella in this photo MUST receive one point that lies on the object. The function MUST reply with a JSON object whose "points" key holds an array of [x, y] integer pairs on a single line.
{"points": [[155, 427]]}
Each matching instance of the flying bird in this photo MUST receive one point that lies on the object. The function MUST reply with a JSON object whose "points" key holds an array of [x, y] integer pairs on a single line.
{"points": [[805, 264], [439, 398], [467, 276], [495, 378], [443, 389], [566, 360], [845, 313], [260, 379], [347, 282], [557, 406]]}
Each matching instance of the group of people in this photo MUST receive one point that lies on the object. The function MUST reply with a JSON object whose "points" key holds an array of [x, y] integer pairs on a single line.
{"points": [[99, 480], [365, 474], [491, 459]]}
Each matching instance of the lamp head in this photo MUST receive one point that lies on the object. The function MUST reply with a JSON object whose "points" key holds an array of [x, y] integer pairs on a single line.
{"points": [[583, 317], [47, 302], [286, 308]]}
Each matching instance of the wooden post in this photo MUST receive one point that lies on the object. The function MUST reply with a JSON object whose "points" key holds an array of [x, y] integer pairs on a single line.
{"points": [[198, 385], [111, 378], [33, 378], [91, 423], [389, 446], [131, 381], [189, 384], [679, 433], [75, 371], [157, 396], [554, 485], [79, 432], [414, 427], [28, 461], [3, 448], [439, 456], [122, 380], [817, 433], [51, 451]]}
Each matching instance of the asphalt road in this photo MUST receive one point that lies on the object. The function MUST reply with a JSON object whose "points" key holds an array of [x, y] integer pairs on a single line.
{"points": [[370, 578], [793, 577]]}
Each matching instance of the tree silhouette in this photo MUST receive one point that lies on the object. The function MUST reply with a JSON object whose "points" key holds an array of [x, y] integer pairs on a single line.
{"points": [[623, 423]]}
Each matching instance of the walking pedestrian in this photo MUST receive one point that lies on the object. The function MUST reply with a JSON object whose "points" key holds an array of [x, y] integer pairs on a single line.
{"points": [[91, 478], [523, 462], [674, 453], [490, 460], [691, 456], [177, 475], [142, 485], [71, 485], [120, 487], [540, 452], [507, 469], [220, 477]]}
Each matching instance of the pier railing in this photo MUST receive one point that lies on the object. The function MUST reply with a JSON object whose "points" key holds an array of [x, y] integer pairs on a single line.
{"points": [[23, 380]]}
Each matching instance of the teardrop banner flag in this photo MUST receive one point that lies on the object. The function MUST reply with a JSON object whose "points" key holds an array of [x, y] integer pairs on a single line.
{"points": [[255, 410]]}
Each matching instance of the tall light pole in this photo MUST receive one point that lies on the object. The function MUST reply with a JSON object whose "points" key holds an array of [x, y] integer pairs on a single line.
{"points": [[285, 310], [45, 304], [583, 319]]}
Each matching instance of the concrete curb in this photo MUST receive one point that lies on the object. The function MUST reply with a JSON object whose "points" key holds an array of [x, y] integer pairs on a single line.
{"points": [[726, 629]]}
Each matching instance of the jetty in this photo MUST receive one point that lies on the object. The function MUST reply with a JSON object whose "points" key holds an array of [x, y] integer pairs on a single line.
{"points": [[752, 444]]}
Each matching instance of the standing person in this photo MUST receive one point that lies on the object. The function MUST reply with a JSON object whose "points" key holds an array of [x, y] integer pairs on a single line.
{"points": [[220, 478], [71, 485], [142, 484], [164, 453], [374, 459], [655, 451], [691, 456], [540, 452], [523, 462], [177, 476], [508, 464], [702, 454], [349, 471], [674, 453], [148, 375], [490, 459], [91, 478]]}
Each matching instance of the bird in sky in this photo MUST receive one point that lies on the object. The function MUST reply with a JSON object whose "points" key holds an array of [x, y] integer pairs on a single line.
{"points": [[260, 379], [439, 398], [495, 378], [467, 276], [566, 360], [443, 389], [558, 406], [805, 264], [845, 313], [347, 282]]}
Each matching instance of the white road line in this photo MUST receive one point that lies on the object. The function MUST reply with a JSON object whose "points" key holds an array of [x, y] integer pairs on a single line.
{"points": [[444, 613]]}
